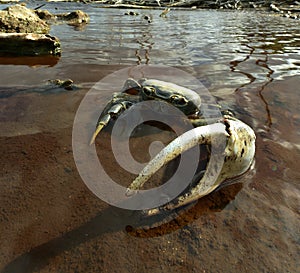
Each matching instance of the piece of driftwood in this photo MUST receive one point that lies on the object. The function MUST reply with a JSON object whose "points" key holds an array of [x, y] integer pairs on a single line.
{"points": [[28, 44], [212, 4], [127, 6]]}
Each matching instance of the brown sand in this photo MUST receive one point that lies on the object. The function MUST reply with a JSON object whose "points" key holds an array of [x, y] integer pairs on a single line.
{"points": [[51, 222]]}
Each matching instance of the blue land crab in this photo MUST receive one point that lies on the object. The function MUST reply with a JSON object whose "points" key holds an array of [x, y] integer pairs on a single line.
{"points": [[236, 156]]}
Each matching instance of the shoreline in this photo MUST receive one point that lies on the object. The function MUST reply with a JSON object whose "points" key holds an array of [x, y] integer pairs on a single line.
{"points": [[289, 9]]}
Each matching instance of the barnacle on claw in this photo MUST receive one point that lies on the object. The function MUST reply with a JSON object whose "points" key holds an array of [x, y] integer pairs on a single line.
{"points": [[233, 139]]}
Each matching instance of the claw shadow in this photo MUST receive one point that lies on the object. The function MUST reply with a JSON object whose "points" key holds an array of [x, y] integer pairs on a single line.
{"points": [[115, 219]]}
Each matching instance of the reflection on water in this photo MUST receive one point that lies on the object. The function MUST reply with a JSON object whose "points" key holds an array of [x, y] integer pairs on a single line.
{"points": [[248, 61], [194, 38], [30, 61], [185, 38]]}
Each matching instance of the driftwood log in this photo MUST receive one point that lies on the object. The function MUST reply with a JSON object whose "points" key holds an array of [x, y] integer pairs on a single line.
{"points": [[28, 44], [287, 8]]}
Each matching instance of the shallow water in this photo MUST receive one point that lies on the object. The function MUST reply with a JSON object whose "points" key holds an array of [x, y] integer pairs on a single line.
{"points": [[51, 222]]}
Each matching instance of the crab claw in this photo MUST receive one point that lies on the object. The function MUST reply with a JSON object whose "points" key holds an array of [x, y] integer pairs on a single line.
{"points": [[196, 136], [235, 142]]}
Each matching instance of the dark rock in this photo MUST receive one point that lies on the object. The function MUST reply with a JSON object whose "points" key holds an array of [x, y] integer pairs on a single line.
{"points": [[44, 14], [66, 84], [131, 13], [77, 17], [28, 44]]}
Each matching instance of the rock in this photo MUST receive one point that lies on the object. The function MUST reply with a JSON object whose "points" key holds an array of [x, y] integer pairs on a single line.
{"points": [[28, 44], [21, 20], [131, 13], [16, 22], [77, 17], [44, 15], [148, 18], [66, 84], [8, 1]]}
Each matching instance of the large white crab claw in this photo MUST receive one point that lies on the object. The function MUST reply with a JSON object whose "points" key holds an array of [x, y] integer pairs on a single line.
{"points": [[235, 148]]}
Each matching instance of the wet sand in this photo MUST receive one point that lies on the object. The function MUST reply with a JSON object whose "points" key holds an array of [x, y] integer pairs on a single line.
{"points": [[51, 222]]}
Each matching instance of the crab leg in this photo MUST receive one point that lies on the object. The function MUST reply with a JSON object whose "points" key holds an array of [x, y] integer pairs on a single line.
{"points": [[100, 125], [119, 103], [235, 157], [114, 110]]}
